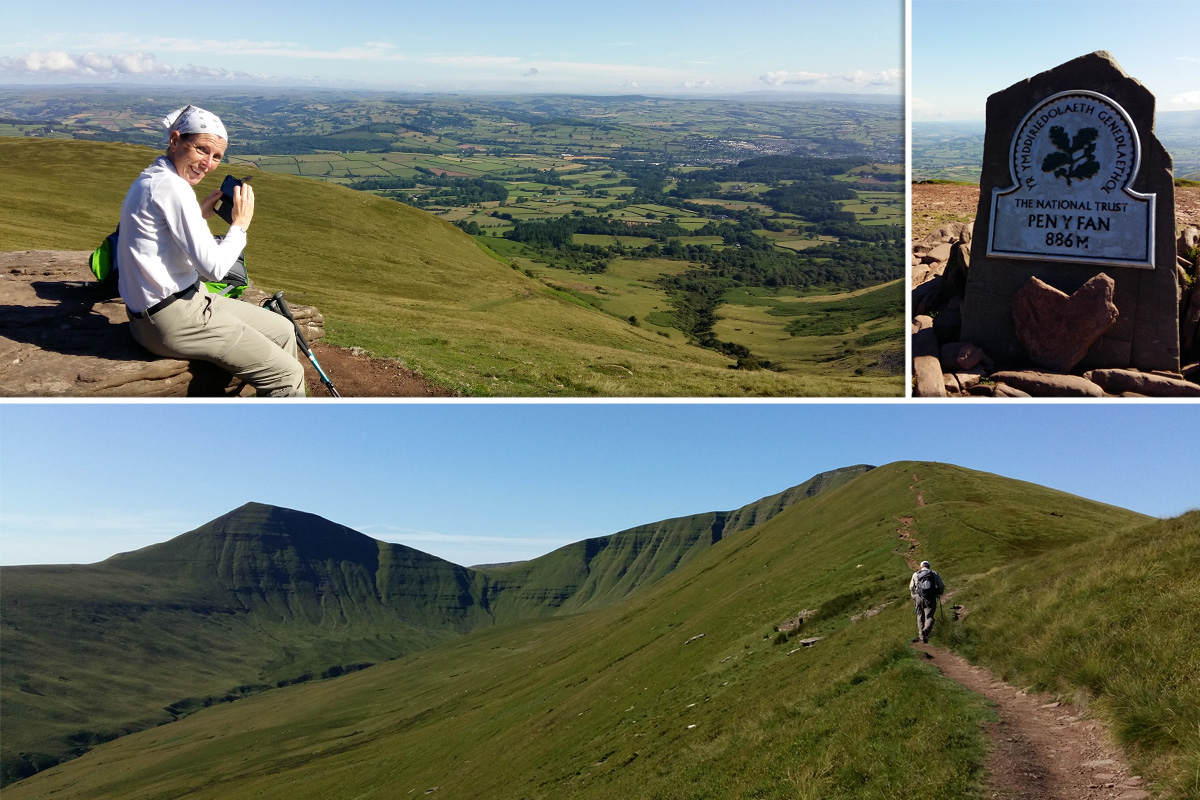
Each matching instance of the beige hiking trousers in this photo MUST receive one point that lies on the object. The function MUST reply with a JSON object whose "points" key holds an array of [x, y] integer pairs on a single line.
{"points": [[925, 618], [255, 345]]}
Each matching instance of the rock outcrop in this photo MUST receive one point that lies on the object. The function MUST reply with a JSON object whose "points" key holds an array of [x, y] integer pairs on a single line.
{"points": [[61, 335], [1188, 262], [1055, 330]]}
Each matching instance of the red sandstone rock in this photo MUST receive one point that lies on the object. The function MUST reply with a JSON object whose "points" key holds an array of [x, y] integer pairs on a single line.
{"points": [[1045, 384], [1057, 330], [1123, 381]]}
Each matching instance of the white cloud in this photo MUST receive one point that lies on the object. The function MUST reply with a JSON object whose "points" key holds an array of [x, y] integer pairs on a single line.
{"points": [[83, 539], [789, 78], [1191, 99], [462, 548], [887, 77], [932, 112], [530, 71], [152, 522], [213, 47], [464, 60], [95, 65]]}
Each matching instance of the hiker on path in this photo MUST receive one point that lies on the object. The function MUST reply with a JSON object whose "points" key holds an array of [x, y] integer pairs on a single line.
{"points": [[165, 252], [926, 587]]}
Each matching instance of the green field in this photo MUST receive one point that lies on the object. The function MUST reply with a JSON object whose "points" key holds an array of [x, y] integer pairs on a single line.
{"points": [[852, 329], [626, 289]]}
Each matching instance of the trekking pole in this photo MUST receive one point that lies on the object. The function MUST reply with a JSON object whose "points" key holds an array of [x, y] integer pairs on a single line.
{"points": [[277, 304]]}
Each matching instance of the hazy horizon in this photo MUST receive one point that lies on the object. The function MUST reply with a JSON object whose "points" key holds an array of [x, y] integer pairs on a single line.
{"points": [[541, 46]]}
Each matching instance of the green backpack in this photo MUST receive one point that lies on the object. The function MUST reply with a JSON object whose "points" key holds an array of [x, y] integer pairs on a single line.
{"points": [[104, 266], [104, 263]]}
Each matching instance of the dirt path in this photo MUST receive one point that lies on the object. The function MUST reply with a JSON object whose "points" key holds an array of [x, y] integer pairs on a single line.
{"points": [[1041, 749], [909, 543], [357, 375]]}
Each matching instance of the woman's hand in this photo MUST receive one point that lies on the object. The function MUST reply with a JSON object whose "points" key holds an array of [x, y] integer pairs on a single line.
{"points": [[243, 205], [208, 204]]}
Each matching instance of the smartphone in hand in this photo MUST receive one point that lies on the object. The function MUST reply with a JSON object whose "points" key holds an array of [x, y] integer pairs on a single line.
{"points": [[224, 206]]}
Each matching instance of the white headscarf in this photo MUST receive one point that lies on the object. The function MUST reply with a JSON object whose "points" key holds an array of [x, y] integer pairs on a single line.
{"points": [[193, 119]]}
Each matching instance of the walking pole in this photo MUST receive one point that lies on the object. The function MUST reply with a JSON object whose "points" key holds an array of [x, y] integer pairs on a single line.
{"points": [[278, 305]]}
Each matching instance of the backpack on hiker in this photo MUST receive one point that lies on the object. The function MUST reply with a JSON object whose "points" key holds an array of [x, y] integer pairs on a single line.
{"points": [[929, 586], [104, 266]]}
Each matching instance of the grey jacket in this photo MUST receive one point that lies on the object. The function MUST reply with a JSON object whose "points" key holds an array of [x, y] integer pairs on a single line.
{"points": [[938, 586]]}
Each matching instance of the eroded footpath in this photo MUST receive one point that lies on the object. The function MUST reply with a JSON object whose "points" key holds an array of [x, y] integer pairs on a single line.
{"points": [[1041, 749]]}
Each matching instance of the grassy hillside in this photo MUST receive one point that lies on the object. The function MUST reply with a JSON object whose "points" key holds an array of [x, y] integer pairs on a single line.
{"points": [[399, 282], [264, 595], [259, 596], [684, 689], [1112, 624]]}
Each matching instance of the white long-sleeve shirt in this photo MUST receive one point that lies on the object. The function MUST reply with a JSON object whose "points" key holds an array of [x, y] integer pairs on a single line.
{"points": [[164, 244]]}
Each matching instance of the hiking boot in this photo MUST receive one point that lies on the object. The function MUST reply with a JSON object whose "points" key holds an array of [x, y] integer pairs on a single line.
{"points": [[924, 640]]}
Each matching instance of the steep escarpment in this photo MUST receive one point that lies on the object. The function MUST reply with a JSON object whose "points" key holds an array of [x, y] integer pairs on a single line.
{"points": [[288, 565], [602, 570]]}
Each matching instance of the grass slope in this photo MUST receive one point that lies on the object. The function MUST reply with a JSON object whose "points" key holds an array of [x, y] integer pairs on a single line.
{"points": [[1111, 624], [259, 596], [397, 281], [853, 331], [682, 690], [264, 595]]}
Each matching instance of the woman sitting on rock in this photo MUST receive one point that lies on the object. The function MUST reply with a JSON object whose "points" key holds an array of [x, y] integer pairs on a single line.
{"points": [[165, 252]]}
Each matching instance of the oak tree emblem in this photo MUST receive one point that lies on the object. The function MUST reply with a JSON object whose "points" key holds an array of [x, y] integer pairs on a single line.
{"points": [[1069, 162]]}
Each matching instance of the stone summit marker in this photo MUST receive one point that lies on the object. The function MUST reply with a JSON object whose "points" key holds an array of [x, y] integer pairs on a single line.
{"points": [[1074, 186], [1096, 218]]}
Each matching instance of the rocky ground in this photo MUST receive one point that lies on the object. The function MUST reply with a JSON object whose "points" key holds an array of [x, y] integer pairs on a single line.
{"points": [[933, 205], [60, 336], [942, 221], [354, 373]]}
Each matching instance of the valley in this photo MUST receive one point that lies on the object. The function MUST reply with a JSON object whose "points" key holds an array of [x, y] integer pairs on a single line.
{"points": [[659, 213], [650, 663]]}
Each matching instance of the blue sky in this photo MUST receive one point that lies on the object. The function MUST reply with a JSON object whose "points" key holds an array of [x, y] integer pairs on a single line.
{"points": [[965, 50], [665, 46], [485, 482]]}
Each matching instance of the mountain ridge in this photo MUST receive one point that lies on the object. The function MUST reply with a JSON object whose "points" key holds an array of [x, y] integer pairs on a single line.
{"points": [[272, 596], [257, 550], [689, 687]]}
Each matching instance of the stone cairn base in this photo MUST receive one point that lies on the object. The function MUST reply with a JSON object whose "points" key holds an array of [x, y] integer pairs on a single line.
{"points": [[1055, 330]]}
